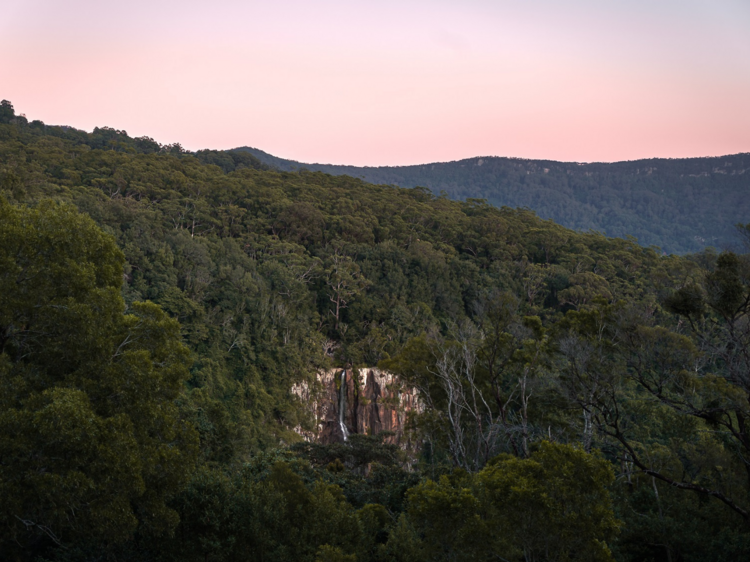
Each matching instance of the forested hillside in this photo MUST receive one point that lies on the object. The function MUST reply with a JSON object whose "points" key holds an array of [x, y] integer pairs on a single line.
{"points": [[585, 398], [680, 205]]}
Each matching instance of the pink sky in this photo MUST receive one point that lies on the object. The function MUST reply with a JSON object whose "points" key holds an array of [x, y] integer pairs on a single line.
{"points": [[390, 83]]}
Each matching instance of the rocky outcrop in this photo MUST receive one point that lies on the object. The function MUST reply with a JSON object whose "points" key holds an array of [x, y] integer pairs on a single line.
{"points": [[366, 401]]}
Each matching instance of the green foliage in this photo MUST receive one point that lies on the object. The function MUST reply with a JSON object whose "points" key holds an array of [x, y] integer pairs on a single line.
{"points": [[555, 505], [681, 205], [368, 471], [277, 516], [6, 112], [448, 519], [328, 553], [272, 276], [529, 343], [91, 442]]}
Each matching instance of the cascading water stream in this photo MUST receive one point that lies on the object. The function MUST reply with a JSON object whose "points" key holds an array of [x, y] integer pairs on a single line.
{"points": [[342, 406]]}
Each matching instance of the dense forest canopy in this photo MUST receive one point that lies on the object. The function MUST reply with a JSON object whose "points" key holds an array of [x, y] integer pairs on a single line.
{"points": [[680, 205], [586, 398]]}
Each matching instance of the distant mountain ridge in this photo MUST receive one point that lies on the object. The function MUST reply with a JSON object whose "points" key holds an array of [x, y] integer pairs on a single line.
{"points": [[681, 205]]}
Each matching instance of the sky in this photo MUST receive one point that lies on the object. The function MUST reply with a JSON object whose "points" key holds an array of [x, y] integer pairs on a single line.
{"points": [[391, 82]]}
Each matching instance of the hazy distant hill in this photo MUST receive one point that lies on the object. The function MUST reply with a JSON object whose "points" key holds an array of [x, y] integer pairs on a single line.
{"points": [[680, 205]]}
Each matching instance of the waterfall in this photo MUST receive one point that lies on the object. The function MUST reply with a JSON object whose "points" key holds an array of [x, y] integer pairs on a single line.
{"points": [[342, 406]]}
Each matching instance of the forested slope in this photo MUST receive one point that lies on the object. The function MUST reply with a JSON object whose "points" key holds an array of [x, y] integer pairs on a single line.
{"points": [[157, 306], [680, 205]]}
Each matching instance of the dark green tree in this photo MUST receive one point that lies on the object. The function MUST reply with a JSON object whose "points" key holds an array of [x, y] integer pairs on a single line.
{"points": [[91, 443], [6, 111]]}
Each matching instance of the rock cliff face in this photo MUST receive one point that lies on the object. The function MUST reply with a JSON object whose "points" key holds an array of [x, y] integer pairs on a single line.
{"points": [[366, 401]]}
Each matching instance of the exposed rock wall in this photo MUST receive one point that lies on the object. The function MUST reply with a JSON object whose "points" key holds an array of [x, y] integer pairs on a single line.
{"points": [[373, 401]]}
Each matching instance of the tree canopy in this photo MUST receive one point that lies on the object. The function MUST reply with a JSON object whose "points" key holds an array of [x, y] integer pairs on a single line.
{"points": [[583, 397], [678, 204], [91, 441]]}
